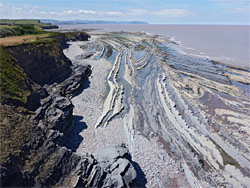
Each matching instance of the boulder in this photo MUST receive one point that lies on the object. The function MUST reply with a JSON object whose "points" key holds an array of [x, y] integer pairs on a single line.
{"points": [[115, 160]]}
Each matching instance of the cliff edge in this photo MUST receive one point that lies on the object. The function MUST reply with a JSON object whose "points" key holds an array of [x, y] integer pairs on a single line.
{"points": [[36, 113]]}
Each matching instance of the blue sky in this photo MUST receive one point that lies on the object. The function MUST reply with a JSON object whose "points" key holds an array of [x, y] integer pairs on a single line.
{"points": [[152, 11]]}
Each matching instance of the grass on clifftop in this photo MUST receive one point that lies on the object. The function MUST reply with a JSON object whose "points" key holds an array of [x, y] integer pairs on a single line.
{"points": [[20, 27], [19, 21], [6, 30], [13, 80]]}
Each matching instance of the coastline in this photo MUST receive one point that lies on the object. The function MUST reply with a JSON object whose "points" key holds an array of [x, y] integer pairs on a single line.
{"points": [[231, 49], [156, 164], [168, 152], [123, 109]]}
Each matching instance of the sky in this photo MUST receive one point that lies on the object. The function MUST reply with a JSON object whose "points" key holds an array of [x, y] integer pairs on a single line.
{"points": [[229, 12]]}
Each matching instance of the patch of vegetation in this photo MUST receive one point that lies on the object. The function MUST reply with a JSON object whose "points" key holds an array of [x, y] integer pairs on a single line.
{"points": [[16, 133], [20, 30], [19, 22], [140, 47], [84, 47], [13, 80], [44, 40]]}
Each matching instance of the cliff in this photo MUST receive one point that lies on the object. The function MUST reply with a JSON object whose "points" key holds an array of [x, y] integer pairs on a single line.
{"points": [[36, 113], [46, 64]]}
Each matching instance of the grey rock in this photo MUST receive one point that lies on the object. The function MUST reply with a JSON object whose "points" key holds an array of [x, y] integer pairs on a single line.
{"points": [[111, 153], [115, 160], [50, 163], [75, 82]]}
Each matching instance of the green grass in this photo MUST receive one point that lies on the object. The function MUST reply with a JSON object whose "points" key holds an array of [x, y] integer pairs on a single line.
{"points": [[84, 47], [20, 30], [6, 26], [46, 40], [14, 83], [19, 22], [9, 27]]}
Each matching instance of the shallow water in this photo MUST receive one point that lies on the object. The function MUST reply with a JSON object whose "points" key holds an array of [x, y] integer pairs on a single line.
{"points": [[227, 44]]}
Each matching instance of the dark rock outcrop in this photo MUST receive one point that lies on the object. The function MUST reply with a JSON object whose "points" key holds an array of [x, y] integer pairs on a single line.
{"points": [[34, 151], [107, 167], [44, 63], [62, 38], [115, 160]]}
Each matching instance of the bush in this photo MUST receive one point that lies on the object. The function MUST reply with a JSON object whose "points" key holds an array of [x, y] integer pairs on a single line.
{"points": [[20, 30], [6, 32]]}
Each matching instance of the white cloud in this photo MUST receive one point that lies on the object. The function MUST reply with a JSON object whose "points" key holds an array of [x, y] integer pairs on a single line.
{"points": [[92, 12], [88, 12], [141, 14], [171, 12], [113, 13], [1, 4], [161, 12], [68, 12], [138, 12], [13, 12]]}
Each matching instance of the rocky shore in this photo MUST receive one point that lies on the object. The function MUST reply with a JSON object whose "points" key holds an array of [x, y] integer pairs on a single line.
{"points": [[42, 158], [176, 114], [122, 110]]}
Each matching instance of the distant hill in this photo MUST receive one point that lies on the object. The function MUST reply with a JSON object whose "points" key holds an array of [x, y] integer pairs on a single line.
{"points": [[74, 22]]}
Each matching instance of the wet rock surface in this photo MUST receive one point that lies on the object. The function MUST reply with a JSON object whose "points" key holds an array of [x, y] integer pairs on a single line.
{"points": [[182, 121], [184, 118]]}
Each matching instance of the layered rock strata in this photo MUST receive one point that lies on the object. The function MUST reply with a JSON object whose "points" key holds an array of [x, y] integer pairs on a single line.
{"points": [[185, 119], [33, 151]]}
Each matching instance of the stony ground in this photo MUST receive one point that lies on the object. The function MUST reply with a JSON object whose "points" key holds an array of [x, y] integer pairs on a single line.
{"points": [[153, 160], [162, 110]]}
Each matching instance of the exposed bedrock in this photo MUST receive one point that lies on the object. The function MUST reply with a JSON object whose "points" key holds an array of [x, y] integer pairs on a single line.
{"points": [[193, 110], [33, 151], [111, 167]]}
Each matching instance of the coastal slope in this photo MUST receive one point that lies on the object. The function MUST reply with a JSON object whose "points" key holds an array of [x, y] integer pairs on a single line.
{"points": [[37, 81]]}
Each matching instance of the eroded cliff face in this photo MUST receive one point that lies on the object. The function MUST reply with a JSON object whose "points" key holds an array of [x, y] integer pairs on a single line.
{"points": [[44, 63], [33, 151]]}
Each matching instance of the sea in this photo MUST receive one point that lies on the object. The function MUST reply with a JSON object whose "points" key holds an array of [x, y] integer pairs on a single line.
{"points": [[228, 44]]}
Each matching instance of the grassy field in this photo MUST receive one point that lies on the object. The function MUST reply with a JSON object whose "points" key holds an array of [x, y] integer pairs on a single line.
{"points": [[15, 40], [22, 22], [19, 22], [7, 26], [22, 27], [6, 30]]}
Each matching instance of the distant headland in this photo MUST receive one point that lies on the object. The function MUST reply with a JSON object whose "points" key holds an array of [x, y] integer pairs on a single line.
{"points": [[75, 22]]}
